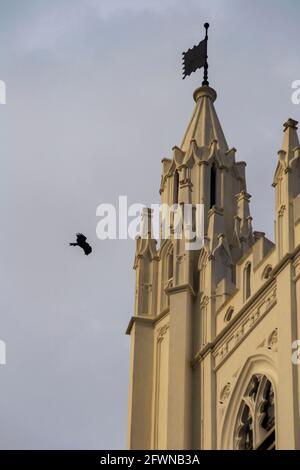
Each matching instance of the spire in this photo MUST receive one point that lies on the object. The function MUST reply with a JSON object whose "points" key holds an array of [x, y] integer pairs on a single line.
{"points": [[290, 137], [290, 150], [286, 182], [204, 125]]}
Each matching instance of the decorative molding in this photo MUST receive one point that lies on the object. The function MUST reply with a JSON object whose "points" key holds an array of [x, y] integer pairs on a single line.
{"points": [[243, 195], [181, 257], [281, 210], [162, 331], [223, 351], [243, 328], [239, 333], [255, 302], [147, 286], [204, 301]]}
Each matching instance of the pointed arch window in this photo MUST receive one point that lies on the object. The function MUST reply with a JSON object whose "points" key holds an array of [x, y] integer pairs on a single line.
{"points": [[267, 272], [170, 265], [176, 187], [247, 281], [201, 267], [255, 423], [213, 186], [166, 272]]}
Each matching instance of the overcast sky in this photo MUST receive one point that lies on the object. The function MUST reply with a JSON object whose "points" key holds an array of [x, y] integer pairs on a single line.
{"points": [[95, 100]]}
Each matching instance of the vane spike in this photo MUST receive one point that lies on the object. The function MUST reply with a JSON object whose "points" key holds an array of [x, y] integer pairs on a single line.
{"points": [[205, 73]]}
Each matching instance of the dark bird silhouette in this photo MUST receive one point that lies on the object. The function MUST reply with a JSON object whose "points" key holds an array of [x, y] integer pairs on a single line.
{"points": [[81, 241]]}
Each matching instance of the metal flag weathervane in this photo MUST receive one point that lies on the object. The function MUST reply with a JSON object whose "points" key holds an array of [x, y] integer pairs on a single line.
{"points": [[196, 58]]}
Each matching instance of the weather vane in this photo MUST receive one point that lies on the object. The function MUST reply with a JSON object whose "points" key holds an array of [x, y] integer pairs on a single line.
{"points": [[196, 58]]}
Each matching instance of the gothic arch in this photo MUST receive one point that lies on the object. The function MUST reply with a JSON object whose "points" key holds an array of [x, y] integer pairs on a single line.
{"points": [[258, 364], [247, 274], [203, 256], [166, 270], [175, 187], [202, 262], [267, 272], [256, 417]]}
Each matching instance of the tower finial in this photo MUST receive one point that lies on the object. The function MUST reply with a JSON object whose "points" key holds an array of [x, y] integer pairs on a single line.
{"points": [[205, 73]]}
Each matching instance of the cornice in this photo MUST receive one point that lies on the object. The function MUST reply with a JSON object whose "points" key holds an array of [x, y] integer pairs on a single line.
{"points": [[149, 319], [181, 288], [138, 319]]}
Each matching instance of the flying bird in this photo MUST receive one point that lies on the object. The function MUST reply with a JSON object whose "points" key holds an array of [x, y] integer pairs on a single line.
{"points": [[81, 241]]}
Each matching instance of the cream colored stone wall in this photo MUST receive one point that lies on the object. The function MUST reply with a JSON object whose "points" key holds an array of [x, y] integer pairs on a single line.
{"points": [[209, 323]]}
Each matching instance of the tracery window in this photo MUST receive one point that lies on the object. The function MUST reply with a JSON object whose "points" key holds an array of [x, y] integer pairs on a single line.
{"points": [[255, 424]]}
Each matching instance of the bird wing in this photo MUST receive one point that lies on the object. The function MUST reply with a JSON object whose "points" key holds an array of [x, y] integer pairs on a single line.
{"points": [[80, 238], [87, 248]]}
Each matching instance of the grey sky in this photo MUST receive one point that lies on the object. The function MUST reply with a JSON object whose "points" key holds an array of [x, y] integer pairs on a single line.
{"points": [[94, 101]]}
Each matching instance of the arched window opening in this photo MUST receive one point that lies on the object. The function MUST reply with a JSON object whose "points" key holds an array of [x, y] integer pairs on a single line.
{"points": [[176, 187], [247, 281], [228, 314], [255, 424], [268, 408], [167, 272], [245, 430], [213, 186], [170, 266], [267, 272], [201, 266]]}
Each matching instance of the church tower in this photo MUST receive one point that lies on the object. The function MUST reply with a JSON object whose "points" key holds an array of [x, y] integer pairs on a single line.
{"points": [[214, 328]]}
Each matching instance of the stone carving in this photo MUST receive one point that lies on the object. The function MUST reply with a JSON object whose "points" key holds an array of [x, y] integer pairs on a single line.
{"points": [[238, 334], [244, 327], [147, 286], [272, 340], [225, 392], [162, 331], [281, 210], [180, 258]]}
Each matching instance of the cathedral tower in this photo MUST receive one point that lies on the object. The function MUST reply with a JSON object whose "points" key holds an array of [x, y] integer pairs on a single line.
{"points": [[213, 328]]}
